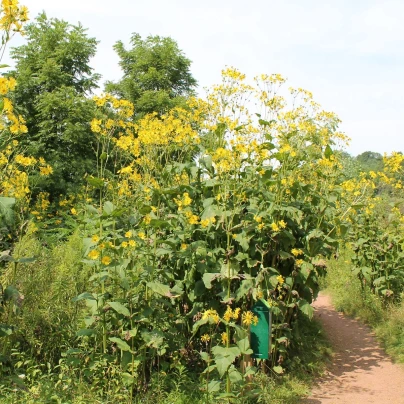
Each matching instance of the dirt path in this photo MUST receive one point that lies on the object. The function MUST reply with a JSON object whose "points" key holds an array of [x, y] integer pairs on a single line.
{"points": [[361, 372]]}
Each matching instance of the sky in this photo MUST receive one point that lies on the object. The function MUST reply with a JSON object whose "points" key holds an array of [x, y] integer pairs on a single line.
{"points": [[349, 54]]}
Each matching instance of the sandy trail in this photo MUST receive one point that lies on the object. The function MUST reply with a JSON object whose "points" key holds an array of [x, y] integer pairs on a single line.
{"points": [[361, 372]]}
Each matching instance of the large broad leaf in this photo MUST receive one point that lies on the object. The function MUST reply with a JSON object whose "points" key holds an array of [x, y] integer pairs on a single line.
{"points": [[163, 290], [245, 287], [108, 207], [84, 296], [230, 269], [244, 346], [153, 339], [10, 293], [123, 345], [127, 379], [222, 364], [85, 332], [306, 308], [95, 182], [208, 278], [5, 330], [6, 209], [120, 308], [214, 386]]}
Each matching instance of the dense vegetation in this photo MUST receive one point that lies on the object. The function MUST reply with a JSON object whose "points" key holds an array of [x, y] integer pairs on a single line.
{"points": [[140, 227]]}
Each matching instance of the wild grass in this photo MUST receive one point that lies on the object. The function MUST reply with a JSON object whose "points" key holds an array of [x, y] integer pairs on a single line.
{"points": [[349, 297]]}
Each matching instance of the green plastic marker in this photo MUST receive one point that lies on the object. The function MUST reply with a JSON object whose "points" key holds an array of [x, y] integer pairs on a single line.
{"points": [[260, 334]]}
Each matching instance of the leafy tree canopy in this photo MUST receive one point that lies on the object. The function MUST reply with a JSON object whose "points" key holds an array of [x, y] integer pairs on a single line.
{"points": [[156, 74], [54, 77], [370, 161]]}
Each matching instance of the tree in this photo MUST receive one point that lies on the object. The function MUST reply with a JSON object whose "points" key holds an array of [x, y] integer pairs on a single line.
{"points": [[370, 161], [54, 79], [156, 75]]}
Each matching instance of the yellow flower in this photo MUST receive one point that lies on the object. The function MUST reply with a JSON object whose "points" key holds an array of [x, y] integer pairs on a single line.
{"points": [[93, 254], [211, 315], [46, 170], [258, 219], [296, 252], [280, 279], [228, 315], [205, 338], [299, 262], [274, 226], [282, 224], [184, 246], [132, 243], [224, 338], [186, 200], [95, 238], [248, 318], [106, 260], [207, 222], [141, 235], [236, 313], [128, 234], [124, 244], [147, 219], [74, 211], [193, 219]]}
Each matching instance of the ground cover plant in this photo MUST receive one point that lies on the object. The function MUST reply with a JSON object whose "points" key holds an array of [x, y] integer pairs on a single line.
{"points": [[142, 280]]}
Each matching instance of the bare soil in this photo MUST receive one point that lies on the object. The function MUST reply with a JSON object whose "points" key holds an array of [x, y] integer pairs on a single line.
{"points": [[360, 371]]}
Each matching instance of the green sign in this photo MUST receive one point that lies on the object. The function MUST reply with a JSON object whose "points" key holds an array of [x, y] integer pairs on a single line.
{"points": [[261, 333]]}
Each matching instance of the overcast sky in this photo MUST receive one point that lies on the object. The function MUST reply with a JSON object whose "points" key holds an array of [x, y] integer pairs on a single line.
{"points": [[350, 54]]}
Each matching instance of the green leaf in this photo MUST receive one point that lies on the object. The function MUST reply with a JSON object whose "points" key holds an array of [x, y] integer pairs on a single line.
{"points": [[85, 332], [234, 375], [214, 386], [26, 260], [96, 182], [205, 356], [222, 364], [306, 308], [84, 296], [127, 379], [208, 278], [328, 152], [5, 330], [108, 207], [245, 287], [159, 288], [122, 345], [230, 270], [278, 369], [10, 293], [244, 346], [120, 308]]}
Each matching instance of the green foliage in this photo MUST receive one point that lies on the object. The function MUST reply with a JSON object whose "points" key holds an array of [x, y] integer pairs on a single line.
{"points": [[53, 74], [370, 161], [348, 296], [156, 75], [45, 319]]}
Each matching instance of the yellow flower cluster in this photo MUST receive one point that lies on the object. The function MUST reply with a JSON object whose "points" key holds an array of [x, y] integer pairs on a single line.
{"points": [[208, 221], [393, 163], [12, 16], [277, 226], [231, 314], [183, 202], [211, 315], [249, 318]]}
